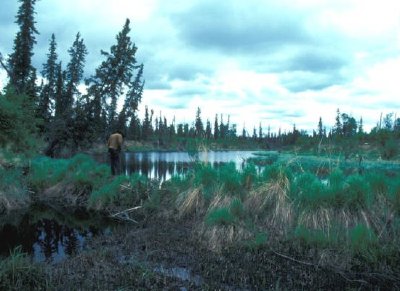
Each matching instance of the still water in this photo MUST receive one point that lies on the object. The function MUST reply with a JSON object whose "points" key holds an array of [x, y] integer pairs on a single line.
{"points": [[164, 165], [47, 235]]}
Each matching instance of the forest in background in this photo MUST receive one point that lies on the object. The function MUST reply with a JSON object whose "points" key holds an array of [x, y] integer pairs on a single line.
{"points": [[54, 116]]}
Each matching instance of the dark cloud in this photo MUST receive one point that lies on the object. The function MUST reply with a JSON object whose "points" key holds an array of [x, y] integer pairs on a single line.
{"points": [[189, 91], [239, 28], [305, 81], [317, 60]]}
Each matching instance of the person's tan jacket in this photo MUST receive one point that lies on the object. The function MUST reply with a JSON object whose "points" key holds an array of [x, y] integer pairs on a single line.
{"points": [[115, 141]]}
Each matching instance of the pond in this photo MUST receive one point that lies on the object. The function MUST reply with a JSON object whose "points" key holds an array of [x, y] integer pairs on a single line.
{"points": [[164, 165], [47, 235]]}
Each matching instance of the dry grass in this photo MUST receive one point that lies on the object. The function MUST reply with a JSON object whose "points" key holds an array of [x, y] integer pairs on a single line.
{"points": [[221, 236], [10, 202], [321, 219], [271, 205], [190, 202]]}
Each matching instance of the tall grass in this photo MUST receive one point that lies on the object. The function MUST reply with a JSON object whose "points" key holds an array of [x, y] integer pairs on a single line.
{"points": [[17, 272], [355, 216]]}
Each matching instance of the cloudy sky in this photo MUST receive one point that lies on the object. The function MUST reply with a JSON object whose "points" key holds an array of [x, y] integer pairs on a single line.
{"points": [[274, 62]]}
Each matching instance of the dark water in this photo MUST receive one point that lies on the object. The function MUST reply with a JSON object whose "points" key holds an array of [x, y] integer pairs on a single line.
{"points": [[48, 236], [164, 165]]}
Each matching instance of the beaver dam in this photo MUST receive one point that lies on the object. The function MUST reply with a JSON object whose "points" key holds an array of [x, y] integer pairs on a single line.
{"points": [[266, 222]]}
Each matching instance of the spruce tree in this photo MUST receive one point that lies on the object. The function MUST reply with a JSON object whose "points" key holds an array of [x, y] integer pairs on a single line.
{"points": [[74, 74], [320, 128], [22, 74], [216, 127], [199, 127], [114, 75], [208, 129], [48, 90], [132, 100]]}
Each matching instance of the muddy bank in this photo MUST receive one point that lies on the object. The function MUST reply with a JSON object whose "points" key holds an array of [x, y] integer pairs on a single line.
{"points": [[162, 253], [165, 255]]}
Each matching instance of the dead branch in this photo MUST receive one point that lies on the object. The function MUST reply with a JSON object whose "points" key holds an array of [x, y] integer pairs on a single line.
{"points": [[126, 211], [293, 259]]}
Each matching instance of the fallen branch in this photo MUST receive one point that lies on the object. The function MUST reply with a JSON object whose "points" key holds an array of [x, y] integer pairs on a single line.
{"points": [[125, 211], [123, 215], [294, 260]]}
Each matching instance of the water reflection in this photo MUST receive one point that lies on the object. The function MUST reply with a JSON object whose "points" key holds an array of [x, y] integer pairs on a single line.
{"points": [[46, 239], [164, 165]]}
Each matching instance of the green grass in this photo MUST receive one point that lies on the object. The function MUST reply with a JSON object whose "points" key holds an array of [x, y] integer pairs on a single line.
{"points": [[18, 273]]}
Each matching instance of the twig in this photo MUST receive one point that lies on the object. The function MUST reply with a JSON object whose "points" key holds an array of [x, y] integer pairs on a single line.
{"points": [[126, 211], [294, 260]]}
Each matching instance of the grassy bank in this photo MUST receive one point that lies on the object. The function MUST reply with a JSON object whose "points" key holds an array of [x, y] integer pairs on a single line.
{"points": [[340, 221]]}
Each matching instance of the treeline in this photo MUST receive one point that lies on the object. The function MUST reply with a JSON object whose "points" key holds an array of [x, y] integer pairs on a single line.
{"points": [[57, 111]]}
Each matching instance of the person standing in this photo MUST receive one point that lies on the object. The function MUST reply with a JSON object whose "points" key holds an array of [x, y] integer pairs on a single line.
{"points": [[114, 148]]}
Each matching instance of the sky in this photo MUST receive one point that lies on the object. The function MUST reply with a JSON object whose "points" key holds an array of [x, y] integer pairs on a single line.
{"points": [[277, 63]]}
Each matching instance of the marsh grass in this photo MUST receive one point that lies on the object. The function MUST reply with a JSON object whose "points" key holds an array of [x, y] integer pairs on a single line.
{"points": [[345, 219], [17, 272], [13, 191]]}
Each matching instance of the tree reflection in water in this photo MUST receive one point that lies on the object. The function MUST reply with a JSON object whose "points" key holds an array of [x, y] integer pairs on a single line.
{"points": [[46, 239]]}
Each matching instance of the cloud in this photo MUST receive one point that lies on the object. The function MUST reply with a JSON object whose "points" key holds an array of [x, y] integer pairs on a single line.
{"points": [[239, 27]]}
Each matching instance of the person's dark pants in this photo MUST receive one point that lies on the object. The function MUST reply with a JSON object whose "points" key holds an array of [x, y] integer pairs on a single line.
{"points": [[114, 160]]}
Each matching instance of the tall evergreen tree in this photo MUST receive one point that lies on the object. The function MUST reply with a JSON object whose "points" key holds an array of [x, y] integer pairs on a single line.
{"points": [[337, 130], [320, 128], [199, 127], [208, 129], [132, 100], [22, 74], [114, 74], [74, 72], [48, 91], [216, 127], [360, 126]]}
